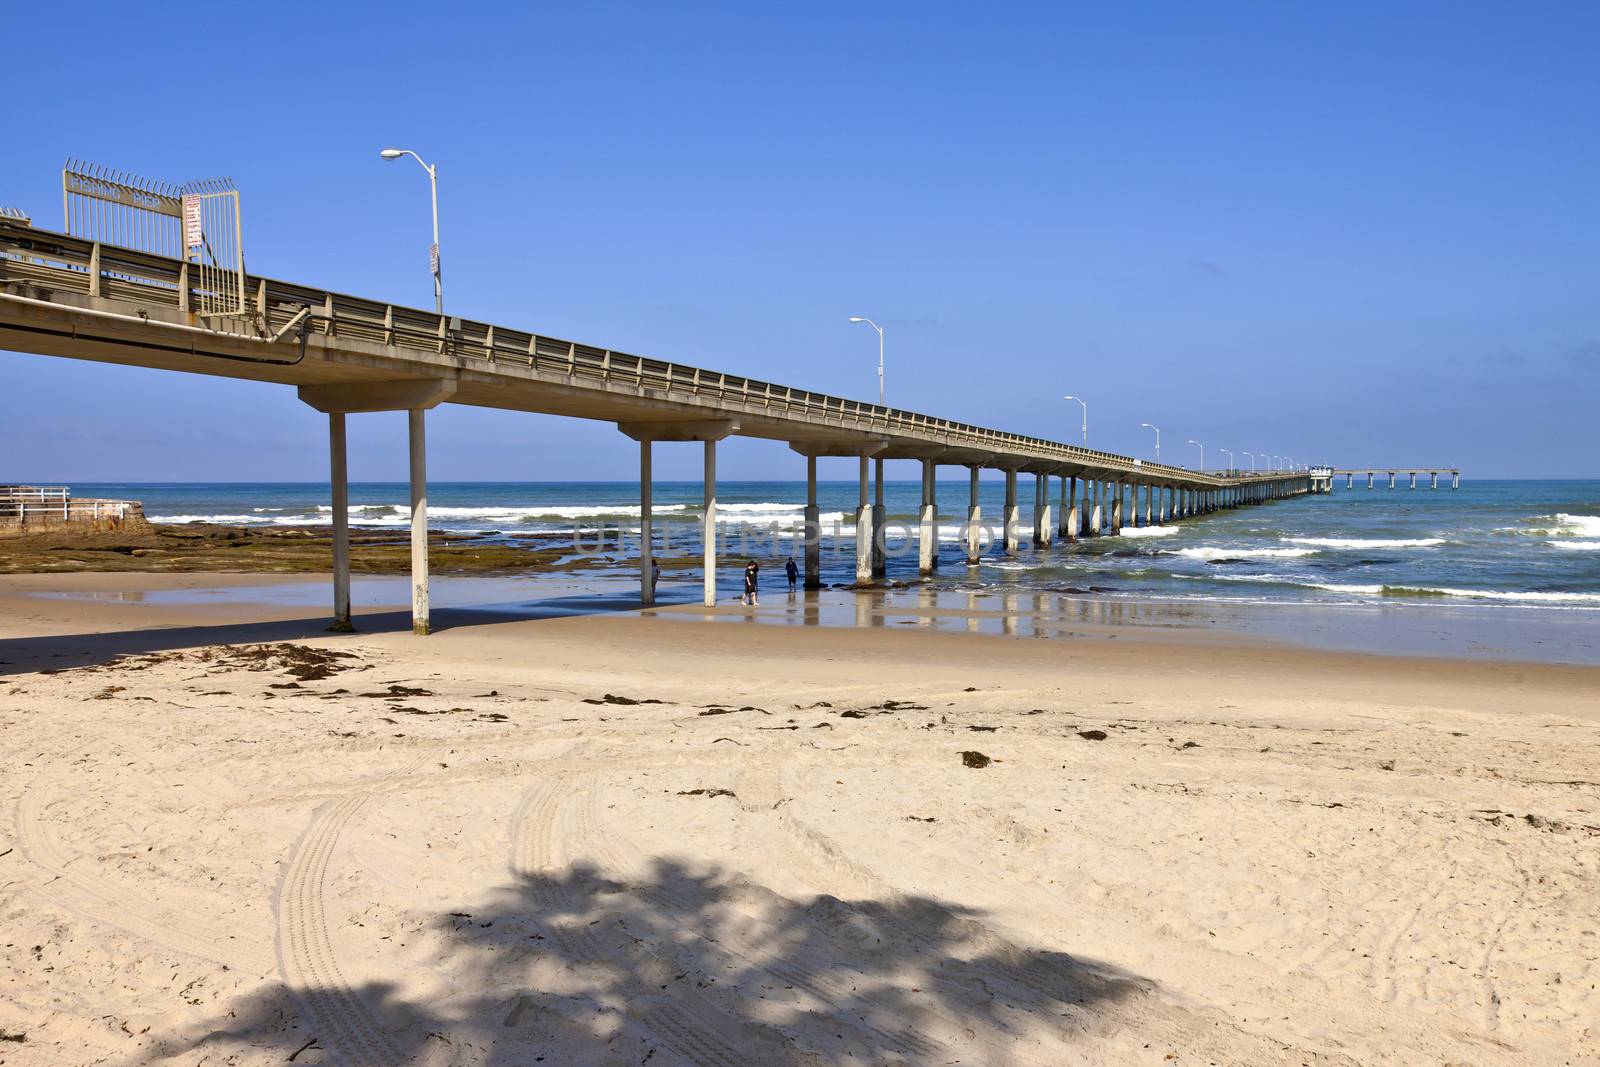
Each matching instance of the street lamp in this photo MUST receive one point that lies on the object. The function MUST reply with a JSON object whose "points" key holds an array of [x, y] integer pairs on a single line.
{"points": [[1085, 419], [433, 252], [875, 326], [1252, 456], [1229, 451], [1148, 426], [1202, 449]]}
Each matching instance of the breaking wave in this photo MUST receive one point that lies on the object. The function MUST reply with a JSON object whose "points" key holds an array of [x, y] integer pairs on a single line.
{"points": [[1150, 531], [1367, 542], [1206, 553]]}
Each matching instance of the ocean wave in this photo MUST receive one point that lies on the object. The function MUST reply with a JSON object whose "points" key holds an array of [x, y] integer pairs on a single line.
{"points": [[1528, 596], [1578, 546], [1367, 542], [1205, 553], [1557, 525], [236, 520], [1150, 531], [1582, 525]]}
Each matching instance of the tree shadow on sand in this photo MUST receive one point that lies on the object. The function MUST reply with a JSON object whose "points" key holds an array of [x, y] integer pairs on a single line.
{"points": [[680, 965]]}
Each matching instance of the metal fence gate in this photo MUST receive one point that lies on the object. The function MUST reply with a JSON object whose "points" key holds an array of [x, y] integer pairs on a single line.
{"points": [[197, 222]]}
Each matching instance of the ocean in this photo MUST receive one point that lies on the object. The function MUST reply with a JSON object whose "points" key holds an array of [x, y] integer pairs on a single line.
{"points": [[1534, 544]]}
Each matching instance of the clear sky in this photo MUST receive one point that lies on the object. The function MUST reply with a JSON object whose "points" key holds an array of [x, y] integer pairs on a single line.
{"points": [[1354, 232]]}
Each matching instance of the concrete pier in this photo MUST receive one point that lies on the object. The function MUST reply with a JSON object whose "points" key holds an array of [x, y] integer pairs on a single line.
{"points": [[64, 296], [928, 526]]}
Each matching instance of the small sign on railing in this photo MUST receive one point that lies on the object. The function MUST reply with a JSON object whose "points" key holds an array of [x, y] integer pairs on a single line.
{"points": [[193, 228]]}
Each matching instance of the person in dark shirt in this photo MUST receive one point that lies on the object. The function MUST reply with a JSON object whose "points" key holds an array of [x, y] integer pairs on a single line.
{"points": [[793, 572], [751, 569]]}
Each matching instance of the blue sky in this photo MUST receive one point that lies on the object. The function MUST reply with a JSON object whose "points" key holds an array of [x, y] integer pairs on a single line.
{"points": [[1359, 233]]}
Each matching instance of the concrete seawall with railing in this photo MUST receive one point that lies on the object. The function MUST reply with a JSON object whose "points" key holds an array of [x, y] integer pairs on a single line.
{"points": [[31, 509]]}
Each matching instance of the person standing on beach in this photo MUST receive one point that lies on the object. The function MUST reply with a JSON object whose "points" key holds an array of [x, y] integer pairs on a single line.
{"points": [[793, 572], [655, 576], [751, 569]]}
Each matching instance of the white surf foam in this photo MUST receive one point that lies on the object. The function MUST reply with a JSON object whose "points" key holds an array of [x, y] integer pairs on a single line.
{"points": [[1150, 531], [1207, 553], [1367, 542], [1524, 596], [1578, 546], [1582, 525]]}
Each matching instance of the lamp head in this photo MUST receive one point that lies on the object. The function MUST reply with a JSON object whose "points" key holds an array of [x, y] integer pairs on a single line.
{"points": [[857, 318], [392, 153]]}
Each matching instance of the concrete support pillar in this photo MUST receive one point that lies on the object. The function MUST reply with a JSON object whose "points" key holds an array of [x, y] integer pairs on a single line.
{"points": [[865, 537], [419, 520], [1072, 515], [813, 546], [974, 544], [1435, 476], [1062, 511], [1455, 479], [1095, 516], [1116, 507], [928, 526], [708, 534], [1413, 479], [1369, 479], [647, 549], [1047, 529], [1012, 517], [1149, 505], [880, 564], [1391, 479], [339, 480]]}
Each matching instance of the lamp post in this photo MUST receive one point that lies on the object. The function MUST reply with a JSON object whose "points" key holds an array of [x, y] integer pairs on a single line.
{"points": [[433, 252], [1229, 451], [1085, 419], [1149, 426], [1252, 456], [1202, 449], [875, 326]]}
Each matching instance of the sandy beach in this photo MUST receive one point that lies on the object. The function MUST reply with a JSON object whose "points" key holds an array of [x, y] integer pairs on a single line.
{"points": [[226, 837]]}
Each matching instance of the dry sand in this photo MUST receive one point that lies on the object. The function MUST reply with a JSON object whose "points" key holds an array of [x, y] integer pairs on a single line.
{"points": [[1178, 853]]}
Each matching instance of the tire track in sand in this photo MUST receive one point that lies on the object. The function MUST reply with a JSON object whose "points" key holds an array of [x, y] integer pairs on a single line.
{"points": [[306, 957], [694, 1030], [815, 973], [72, 883]]}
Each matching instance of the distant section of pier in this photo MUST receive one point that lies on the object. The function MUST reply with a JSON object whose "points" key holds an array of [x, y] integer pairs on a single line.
{"points": [[1322, 478], [26, 509]]}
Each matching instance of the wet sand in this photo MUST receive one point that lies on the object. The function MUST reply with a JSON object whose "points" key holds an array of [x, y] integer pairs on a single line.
{"points": [[604, 838]]}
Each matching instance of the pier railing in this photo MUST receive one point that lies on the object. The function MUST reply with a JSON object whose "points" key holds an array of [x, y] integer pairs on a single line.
{"points": [[54, 505], [61, 262]]}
